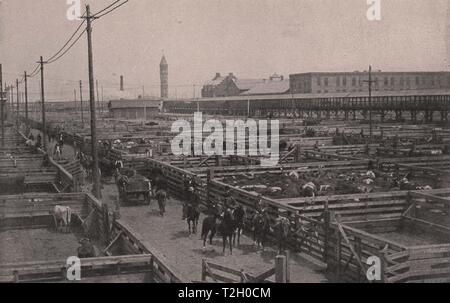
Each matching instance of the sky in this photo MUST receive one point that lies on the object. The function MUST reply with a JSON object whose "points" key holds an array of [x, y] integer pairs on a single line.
{"points": [[251, 38]]}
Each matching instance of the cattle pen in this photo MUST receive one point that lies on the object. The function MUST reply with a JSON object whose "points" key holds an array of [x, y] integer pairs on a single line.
{"points": [[332, 237]]}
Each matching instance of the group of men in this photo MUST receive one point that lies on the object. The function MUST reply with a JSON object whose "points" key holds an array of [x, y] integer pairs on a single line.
{"points": [[260, 220]]}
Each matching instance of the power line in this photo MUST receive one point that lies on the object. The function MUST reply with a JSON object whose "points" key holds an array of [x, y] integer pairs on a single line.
{"points": [[109, 6], [68, 41], [111, 10], [67, 50], [35, 73]]}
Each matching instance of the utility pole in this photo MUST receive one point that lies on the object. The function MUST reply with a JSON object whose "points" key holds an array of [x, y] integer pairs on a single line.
{"points": [[94, 142], [98, 98], [81, 103], [44, 125], [26, 97], [103, 101], [18, 109], [2, 102], [370, 102]]}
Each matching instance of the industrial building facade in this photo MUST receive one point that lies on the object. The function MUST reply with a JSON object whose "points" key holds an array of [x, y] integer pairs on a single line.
{"points": [[139, 109], [322, 83]]}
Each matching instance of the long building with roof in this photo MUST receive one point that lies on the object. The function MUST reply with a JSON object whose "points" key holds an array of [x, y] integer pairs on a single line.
{"points": [[345, 104], [231, 85]]}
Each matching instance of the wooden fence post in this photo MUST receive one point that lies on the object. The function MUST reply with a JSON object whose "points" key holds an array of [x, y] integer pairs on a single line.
{"points": [[106, 223], [358, 248], [280, 269], [338, 253], [203, 270], [287, 254], [326, 230]]}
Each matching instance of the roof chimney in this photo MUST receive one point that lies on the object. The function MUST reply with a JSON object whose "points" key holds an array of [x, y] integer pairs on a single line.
{"points": [[121, 83], [217, 76]]}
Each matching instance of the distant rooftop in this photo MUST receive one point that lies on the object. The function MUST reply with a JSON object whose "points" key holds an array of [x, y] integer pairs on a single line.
{"points": [[269, 88], [135, 103]]}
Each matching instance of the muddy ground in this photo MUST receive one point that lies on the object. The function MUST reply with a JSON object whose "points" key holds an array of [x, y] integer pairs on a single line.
{"points": [[18, 246]]}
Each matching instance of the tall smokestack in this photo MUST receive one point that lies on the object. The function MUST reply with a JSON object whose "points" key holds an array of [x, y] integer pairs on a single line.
{"points": [[121, 83]]}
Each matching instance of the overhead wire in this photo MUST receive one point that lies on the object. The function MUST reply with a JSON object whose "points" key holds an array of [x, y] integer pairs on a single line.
{"points": [[68, 41], [110, 11]]}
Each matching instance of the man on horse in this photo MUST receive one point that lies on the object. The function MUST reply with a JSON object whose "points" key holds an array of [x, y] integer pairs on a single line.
{"points": [[261, 227], [227, 228], [229, 202], [281, 230], [122, 182]]}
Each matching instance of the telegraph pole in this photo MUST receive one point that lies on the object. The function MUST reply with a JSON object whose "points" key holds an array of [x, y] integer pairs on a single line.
{"points": [[18, 109], [98, 98], [2, 111], [95, 173], [11, 101], [81, 103], [44, 126], [370, 102], [26, 97]]}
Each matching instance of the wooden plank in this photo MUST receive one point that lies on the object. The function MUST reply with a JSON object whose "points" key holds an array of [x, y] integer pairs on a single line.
{"points": [[224, 269], [265, 275]]}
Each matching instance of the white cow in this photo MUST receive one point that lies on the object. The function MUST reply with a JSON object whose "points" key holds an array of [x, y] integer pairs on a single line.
{"points": [[62, 216]]}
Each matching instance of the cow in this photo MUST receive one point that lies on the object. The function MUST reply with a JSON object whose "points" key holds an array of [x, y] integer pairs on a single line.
{"points": [[62, 216]]}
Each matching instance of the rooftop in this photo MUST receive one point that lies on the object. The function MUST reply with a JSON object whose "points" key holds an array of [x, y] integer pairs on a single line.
{"points": [[134, 103], [269, 88], [406, 93]]}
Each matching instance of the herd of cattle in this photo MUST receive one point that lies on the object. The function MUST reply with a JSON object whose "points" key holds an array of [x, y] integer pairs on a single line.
{"points": [[302, 183]]}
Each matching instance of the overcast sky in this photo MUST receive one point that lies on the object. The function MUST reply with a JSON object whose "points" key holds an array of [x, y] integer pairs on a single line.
{"points": [[251, 38]]}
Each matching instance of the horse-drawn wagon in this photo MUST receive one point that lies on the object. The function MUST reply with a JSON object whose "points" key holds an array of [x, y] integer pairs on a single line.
{"points": [[133, 187]]}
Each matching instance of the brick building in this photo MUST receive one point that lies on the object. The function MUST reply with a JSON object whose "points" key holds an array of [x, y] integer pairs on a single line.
{"points": [[317, 83]]}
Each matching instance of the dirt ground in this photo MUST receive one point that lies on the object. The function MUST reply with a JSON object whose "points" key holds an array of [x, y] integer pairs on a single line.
{"points": [[18, 246], [169, 236]]}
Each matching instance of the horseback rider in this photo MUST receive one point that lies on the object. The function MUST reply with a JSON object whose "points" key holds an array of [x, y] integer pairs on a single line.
{"points": [[229, 201], [281, 229], [190, 188]]}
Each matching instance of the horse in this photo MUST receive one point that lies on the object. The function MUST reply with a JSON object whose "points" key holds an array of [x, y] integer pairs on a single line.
{"points": [[226, 229], [191, 214], [122, 182], [209, 227], [239, 217], [260, 226], [281, 230], [161, 197]]}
